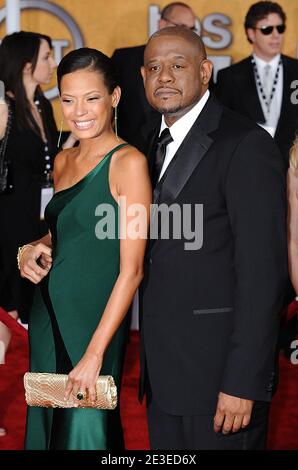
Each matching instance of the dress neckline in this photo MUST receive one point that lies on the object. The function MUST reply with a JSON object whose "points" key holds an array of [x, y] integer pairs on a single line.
{"points": [[89, 174]]}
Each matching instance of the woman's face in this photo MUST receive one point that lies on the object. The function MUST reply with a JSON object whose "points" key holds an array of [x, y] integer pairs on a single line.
{"points": [[87, 104], [45, 64]]}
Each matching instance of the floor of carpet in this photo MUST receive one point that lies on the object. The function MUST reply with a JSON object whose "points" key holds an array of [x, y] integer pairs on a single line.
{"points": [[283, 429]]}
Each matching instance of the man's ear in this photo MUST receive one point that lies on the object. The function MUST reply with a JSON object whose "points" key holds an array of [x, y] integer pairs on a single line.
{"points": [[162, 24], [251, 34], [27, 68], [206, 71], [143, 73]]}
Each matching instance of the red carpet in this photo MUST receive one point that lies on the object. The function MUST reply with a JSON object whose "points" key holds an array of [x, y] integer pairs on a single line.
{"points": [[284, 414], [12, 402]]}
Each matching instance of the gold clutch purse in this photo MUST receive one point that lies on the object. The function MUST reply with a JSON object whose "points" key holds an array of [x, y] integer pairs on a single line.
{"points": [[47, 390]]}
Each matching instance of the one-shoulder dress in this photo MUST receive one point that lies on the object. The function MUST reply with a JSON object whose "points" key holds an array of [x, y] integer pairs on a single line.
{"points": [[67, 309]]}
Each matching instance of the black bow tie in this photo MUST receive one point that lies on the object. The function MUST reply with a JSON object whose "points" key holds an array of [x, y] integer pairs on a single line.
{"points": [[164, 139]]}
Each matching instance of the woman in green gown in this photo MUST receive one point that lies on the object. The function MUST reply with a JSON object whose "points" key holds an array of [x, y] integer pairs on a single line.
{"points": [[87, 270]]}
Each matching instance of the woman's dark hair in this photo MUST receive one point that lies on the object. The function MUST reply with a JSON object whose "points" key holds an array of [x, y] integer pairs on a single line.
{"points": [[260, 10], [16, 50], [91, 59]]}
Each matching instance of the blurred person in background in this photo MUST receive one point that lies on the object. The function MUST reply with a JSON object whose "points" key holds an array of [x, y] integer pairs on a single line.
{"points": [[26, 62], [26, 116], [293, 214], [134, 110], [259, 86], [290, 326]]}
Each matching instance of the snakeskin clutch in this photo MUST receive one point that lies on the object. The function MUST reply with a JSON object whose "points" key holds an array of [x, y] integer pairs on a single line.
{"points": [[47, 390]]}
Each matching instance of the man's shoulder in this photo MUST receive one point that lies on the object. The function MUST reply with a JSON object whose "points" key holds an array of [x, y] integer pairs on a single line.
{"points": [[290, 62], [242, 140], [235, 68], [227, 118], [237, 126], [135, 51]]}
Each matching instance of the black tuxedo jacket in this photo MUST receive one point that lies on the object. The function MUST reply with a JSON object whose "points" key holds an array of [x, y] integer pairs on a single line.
{"points": [[210, 317], [236, 89]]}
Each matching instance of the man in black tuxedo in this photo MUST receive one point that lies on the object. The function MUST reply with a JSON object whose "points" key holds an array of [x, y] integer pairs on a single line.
{"points": [[209, 306], [259, 86], [133, 109]]}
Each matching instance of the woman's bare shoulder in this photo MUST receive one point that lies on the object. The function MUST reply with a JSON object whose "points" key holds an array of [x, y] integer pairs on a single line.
{"points": [[64, 156], [61, 161], [129, 157]]}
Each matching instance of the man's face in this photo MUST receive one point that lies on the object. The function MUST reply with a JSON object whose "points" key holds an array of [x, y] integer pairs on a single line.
{"points": [[267, 46], [179, 16], [175, 77]]}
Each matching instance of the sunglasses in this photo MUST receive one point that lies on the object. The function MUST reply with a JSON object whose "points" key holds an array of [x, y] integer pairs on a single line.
{"points": [[266, 30]]}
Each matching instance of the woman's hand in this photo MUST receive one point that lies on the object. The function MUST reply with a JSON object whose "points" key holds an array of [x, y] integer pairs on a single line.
{"points": [[82, 379], [30, 268]]}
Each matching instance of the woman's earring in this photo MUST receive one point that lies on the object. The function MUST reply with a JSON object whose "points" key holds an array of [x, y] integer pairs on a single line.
{"points": [[60, 133], [116, 121]]}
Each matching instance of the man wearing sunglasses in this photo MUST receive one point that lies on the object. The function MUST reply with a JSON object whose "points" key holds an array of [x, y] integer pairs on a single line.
{"points": [[134, 110], [259, 86]]}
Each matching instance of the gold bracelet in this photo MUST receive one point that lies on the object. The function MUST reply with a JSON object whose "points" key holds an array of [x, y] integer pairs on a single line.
{"points": [[21, 251]]}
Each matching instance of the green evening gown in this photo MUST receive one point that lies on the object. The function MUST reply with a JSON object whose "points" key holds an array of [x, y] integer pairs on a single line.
{"points": [[67, 309]]}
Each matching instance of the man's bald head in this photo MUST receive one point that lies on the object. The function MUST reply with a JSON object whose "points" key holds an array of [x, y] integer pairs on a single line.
{"points": [[177, 14], [187, 34], [168, 9]]}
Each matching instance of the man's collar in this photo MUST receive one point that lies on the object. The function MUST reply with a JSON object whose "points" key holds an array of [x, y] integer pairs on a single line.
{"points": [[187, 120], [262, 63]]}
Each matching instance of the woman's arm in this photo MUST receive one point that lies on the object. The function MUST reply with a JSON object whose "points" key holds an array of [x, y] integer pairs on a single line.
{"points": [[293, 227], [46, 240], [133, 184], [35, 259]]}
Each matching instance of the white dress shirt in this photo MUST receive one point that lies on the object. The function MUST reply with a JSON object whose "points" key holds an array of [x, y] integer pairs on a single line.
{"points": [[272, 116], [179, 130]]}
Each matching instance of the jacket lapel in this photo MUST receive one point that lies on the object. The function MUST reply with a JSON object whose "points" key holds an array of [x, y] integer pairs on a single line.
{"points": [[249, 89], [152, 143], [191, 152], [285, 94], [188, 156]]}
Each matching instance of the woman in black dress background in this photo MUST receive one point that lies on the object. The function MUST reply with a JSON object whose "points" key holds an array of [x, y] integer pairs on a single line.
{"points": [[26, 62]]}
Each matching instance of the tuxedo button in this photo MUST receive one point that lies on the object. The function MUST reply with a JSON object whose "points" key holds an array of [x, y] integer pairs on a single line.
{"points": [[150, 261], [269, 387]]}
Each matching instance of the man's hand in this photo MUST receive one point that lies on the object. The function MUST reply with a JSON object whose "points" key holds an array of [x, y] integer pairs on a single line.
{"points": [[232, 413]]}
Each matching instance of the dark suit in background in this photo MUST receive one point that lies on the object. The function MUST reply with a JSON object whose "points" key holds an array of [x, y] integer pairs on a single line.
{"points": [[134, 112], [133, 109], [236, 88]]}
